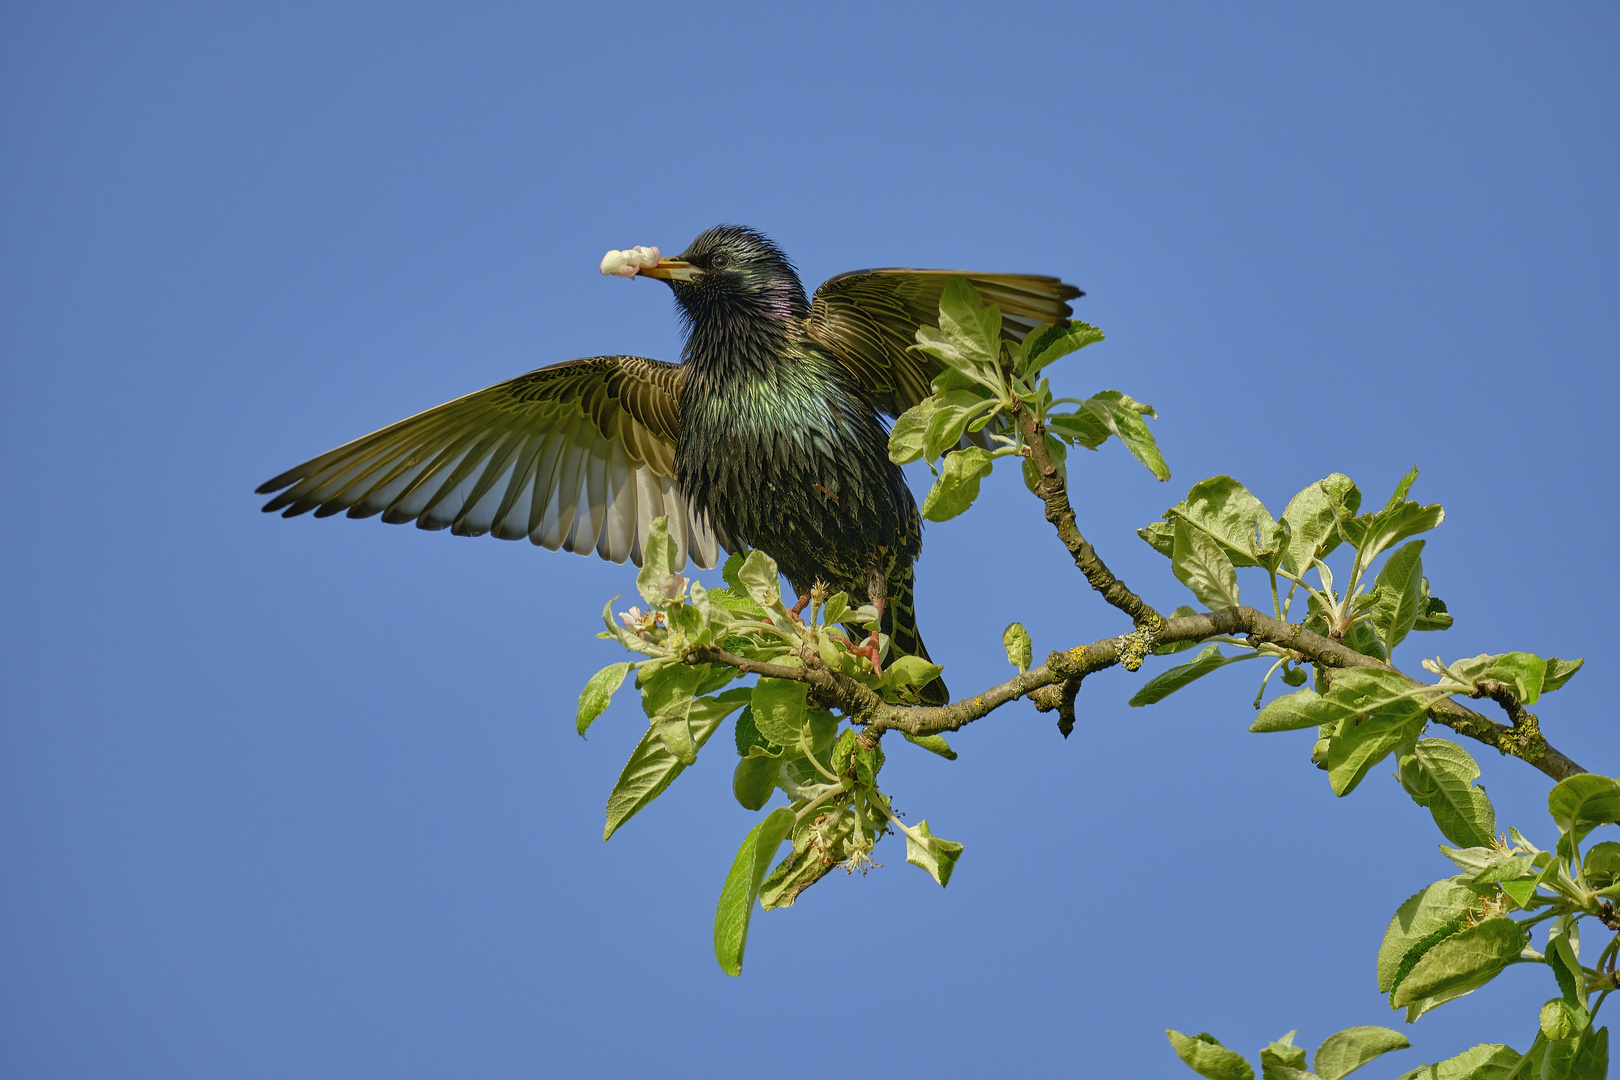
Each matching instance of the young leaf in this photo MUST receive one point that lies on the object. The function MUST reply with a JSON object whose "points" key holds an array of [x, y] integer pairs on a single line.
{"points": [[1420, 918], [1165, 683], [934, 744], [758, 577], [1343, 1052], [934, 855], [1439, 775], [652, 768], [658, 579], [906, 437], [1582, 802], [1122, 415], [754, 778], [1487, 1061], [1238, 521], [1047, 342], [1398, 595], [1282, 1060], [950, 420], [778, 706], [736, 906], [1313, 518], [1301, 709], [1559, 672], [598, 692], [1356, 748], [1373, 534], [968, 340], [1432, 614], [1200, 564], [909, 671], [1160, 536], [1523, 671], [958, 483], [1015, 639], [819, 844], [1208, 1058], [1470, 957]]}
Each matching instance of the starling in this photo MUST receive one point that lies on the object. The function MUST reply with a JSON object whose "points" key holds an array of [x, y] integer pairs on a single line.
{"points": [[766, 435]]}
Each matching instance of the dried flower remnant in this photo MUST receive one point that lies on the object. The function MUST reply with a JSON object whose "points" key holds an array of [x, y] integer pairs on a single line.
{"points": [[629, 262]]}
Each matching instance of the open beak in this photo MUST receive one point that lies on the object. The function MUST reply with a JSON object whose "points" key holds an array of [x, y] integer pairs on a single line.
{"points": [[670, 270]]}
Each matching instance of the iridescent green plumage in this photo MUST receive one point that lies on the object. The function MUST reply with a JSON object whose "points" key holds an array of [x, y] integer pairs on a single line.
{"points": [[767, 435]]}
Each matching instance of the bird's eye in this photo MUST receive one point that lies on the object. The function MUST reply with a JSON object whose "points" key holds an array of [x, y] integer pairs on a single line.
{"points": [[720, 262]]}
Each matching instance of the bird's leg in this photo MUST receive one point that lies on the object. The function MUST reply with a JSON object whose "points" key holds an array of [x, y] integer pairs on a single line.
{"points": [[876, 588], [794, 611]]}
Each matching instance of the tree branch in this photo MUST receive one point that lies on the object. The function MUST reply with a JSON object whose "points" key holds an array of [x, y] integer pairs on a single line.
{"points": [[1064, 670], [1052, 491]]}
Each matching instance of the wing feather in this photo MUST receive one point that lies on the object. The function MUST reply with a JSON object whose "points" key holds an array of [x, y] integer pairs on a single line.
{"points": [[579, 455], [868, 319]]}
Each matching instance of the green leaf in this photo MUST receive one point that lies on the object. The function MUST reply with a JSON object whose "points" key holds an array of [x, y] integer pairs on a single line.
{"points": [[1356, 748], [934, 855], [909, 671], [1584, 1057], [1208, 1058], [652, 768], [736, 906], [1470, 957], [1165, 683], [1523, 671], [1122, 415], [820, 843], [758, 577], [837, 607], [1200, 564], [1363, 639], [1301, 709], [1601, 865], [1439, 775], [1432, 614], [1582, 802], [1373, 534], [1160, 536], [950, 420], [1282, 1060], [754, 778], [1398, 595], [1559, 672], [906, 437], [1420, 918], [968, 339], [658, 580], [934, 744], [1020, 653], [1235, 519], [1047, 342], [598, 692], [958, 483], [779, 710], [1343, 1052], [1313, 517], [1487, 1061]]}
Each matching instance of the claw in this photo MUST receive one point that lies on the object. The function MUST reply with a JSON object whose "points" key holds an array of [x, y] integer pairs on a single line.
{"points": [[869, 651], [793, 612]]}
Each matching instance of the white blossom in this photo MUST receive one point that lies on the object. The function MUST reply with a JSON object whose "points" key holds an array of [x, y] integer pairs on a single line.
{"points": [[627, 263]]}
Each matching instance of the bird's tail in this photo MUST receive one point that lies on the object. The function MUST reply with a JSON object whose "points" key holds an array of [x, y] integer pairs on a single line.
{"points": [[900, 623]]}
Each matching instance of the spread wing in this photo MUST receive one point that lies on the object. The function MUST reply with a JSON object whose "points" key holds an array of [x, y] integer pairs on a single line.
{"points": [[867, 318], [579, 455]]}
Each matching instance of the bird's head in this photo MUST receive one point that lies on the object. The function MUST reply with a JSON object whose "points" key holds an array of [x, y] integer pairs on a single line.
{"points": [[728, 272]]}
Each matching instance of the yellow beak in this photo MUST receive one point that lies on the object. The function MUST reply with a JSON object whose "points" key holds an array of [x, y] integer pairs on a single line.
{"points": [[671, 270]]}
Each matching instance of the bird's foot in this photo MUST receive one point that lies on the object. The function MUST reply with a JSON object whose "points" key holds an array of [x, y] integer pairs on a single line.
{"points": [[868, 651], [796, 609]]}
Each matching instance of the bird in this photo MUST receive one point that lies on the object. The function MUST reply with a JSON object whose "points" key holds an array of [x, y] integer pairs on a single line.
{"points": [[767, 434]]}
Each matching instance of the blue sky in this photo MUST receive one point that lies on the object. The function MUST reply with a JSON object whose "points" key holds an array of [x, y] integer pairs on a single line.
{"points": [[303, 797]]}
